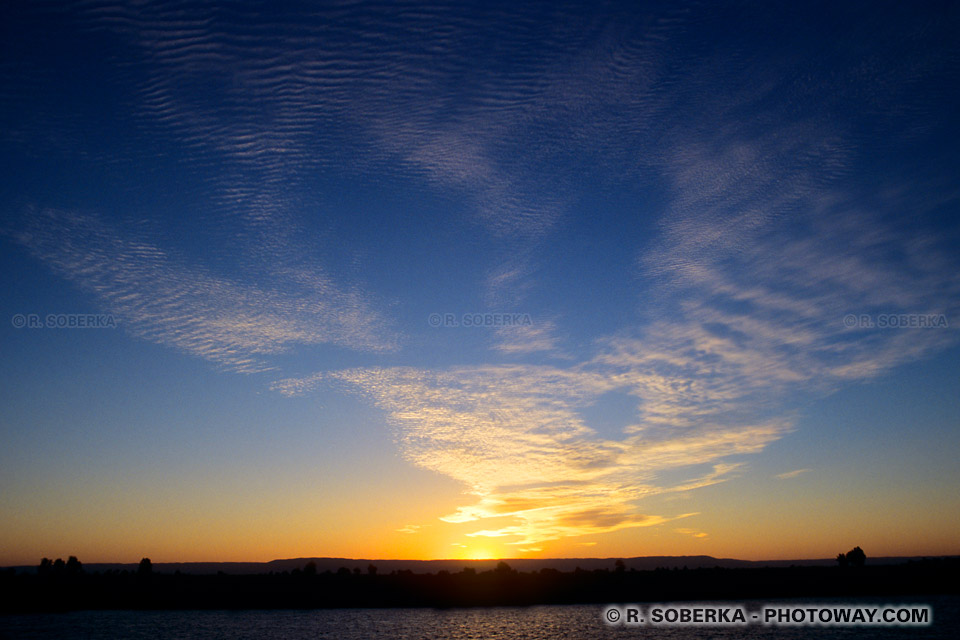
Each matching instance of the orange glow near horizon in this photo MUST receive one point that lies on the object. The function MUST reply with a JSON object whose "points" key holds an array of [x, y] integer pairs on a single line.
{"points": [[759, 545], [744, 518]]}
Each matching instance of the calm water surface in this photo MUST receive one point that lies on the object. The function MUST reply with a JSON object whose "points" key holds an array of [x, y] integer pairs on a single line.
{"points": [[531, 623]]}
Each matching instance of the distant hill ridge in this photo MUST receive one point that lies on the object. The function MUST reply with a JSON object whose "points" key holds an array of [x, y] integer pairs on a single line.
{"points": [[642, 563]]}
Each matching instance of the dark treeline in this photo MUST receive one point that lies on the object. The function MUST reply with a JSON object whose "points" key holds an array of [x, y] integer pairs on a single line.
{"points": [[60, 589]]}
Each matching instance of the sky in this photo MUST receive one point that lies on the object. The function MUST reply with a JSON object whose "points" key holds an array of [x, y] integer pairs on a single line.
{"points": [[478, 280]]}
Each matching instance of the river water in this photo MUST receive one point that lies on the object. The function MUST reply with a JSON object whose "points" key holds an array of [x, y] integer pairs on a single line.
{"points": [[581, 622]]}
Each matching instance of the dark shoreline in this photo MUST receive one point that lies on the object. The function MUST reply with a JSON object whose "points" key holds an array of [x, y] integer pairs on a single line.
{"points": [[467, 588]]}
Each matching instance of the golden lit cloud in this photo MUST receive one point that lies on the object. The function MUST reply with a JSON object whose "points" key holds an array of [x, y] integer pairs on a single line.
{"points": [[516, 437]]}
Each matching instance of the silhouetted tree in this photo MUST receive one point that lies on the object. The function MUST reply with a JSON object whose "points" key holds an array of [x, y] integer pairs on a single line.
{"points": [[74, 566], [310, 568], [842, 559], [145, 568], [503, 568], [46, 567], [856, 557], [371, 570], [59, 566], [619, 566]]}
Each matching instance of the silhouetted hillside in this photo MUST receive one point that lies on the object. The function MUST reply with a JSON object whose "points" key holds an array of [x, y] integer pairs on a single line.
{"points": [[307, 586], [642, 563]]}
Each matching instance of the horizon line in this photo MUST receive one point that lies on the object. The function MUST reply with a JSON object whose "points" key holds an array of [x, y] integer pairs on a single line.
{"points": [[485, 560]]}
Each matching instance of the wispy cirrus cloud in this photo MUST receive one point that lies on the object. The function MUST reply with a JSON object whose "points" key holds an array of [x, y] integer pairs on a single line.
{"points": [[268, 113], [537, 337], [791, 294], [162, 298]]}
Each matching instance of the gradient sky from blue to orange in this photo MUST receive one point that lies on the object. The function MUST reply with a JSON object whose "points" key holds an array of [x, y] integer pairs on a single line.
{"points": [[694, 206]]}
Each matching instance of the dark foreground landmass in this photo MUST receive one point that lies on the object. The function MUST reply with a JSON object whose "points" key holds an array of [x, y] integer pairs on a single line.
{"points": [[503, 586]]}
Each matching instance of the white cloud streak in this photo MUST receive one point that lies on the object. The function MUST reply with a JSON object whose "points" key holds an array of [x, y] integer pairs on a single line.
{"points": [[160, 297]]}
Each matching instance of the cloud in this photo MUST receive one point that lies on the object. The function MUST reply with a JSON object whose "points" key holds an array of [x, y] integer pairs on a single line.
{"points": [[768, 295], [770, 237], [792, 474], [537, 337], [410, 528], [161, 297], [692, 532], [515, 437], [269, 113]]}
